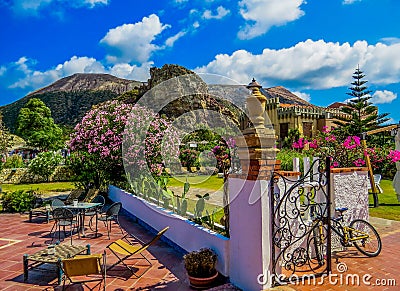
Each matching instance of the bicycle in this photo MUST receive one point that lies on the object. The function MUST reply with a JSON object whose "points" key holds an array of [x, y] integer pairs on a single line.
{"points": [[359, 233]]}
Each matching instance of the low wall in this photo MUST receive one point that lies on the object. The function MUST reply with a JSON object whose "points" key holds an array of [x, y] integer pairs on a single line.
{"points": [[184, 233], [22, 175]]}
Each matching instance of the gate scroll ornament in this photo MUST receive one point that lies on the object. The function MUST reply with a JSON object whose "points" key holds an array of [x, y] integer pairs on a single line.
{"points": [[300, 228]]}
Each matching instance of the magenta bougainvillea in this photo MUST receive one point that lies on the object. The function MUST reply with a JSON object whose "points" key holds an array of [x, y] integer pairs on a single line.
{"points": [[348, 152]]}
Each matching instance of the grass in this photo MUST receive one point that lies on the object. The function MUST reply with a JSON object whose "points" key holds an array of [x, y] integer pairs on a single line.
{"points": [[198, 181], [389, 206], [212, 183], [43, 188]]}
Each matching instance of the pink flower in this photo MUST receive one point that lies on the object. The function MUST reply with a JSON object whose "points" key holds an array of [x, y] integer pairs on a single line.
{"points": [[394, 156], [313, 144], [359, 162], [335, 165], [325, 129], [330, 138], [351, 142], [300, 143]]}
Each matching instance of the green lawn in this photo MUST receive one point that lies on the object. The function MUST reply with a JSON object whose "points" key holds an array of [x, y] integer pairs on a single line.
{"points": [[389, 206], [43, 188], [198, 181]]}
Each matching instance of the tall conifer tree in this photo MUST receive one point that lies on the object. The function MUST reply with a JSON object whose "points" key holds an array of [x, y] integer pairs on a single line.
{"points": [[360, 114]]}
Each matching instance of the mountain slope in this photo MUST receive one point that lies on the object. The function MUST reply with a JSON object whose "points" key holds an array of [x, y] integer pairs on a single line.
{"points": [[71, 97]]}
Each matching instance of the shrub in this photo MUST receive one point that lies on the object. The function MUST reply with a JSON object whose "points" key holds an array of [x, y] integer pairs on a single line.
{"points": [[14, 161], [348, 152], [18, 201], [189, 158], [97, 141], [286, 157], [44, 164]]}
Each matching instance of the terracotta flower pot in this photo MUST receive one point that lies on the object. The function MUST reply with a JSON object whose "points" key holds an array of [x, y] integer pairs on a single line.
{"points": [[202, 283]]}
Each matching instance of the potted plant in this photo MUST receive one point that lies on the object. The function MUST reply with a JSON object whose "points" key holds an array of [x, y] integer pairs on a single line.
{"points": [[200, 266]]}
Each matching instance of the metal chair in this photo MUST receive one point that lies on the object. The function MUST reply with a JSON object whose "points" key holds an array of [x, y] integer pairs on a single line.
{"points": [[98, 199], [64, 217], [39, 209], [111, 215], [84, 269], [56, 203]]}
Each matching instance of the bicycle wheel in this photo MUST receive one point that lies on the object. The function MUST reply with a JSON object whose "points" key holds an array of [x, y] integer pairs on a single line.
{"points": [[370, 246]]}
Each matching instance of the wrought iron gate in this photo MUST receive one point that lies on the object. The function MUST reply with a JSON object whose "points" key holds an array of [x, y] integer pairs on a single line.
{"points": [[301, 239]]}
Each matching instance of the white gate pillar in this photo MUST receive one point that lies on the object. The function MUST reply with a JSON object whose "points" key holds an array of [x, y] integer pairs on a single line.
{"points": [[250, 214]]}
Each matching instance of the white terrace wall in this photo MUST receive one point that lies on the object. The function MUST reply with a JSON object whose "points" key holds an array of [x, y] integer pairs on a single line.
{"points": [[184, 233]]}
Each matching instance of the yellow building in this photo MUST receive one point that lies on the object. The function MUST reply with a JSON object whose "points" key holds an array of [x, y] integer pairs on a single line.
{"points": [[288, 111]]}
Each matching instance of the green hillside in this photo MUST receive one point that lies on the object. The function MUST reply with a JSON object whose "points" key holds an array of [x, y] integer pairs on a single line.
{"points": [[67, 108]]}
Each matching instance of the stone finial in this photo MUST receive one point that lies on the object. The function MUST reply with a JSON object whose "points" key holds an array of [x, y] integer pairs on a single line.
{"points": [[253, 84], [256, 104]]}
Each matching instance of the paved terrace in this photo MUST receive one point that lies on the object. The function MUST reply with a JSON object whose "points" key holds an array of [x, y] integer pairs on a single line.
{"points": [[18, 237]]}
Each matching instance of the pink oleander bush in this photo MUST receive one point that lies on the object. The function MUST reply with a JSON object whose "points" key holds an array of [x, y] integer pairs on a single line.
{"points": [[348, 152], [97, 141]]}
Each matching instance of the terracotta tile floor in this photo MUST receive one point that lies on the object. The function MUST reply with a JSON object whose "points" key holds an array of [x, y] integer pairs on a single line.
{"points": [[167, 272], [383, 267]]}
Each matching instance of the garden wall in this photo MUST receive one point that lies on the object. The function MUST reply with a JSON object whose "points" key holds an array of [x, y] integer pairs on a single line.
{"points": [[180, 227], [22, 175]]}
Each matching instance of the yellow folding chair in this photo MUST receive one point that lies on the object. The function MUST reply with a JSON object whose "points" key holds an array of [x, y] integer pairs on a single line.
{"points": [[84, 269], [131, 247]]}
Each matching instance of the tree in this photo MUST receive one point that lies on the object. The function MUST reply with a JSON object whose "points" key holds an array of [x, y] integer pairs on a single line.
{"points": [[37, 127], [360, 114]]}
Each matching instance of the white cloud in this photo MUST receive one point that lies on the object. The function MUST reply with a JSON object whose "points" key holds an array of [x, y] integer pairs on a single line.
{"points": [[22, 75], [171, 40], [304, 96], [133, 42], [179, 2], [93, 3], [26, 78], [132, 72], [381, 97], [390, 40], [260, 16], [221, 13], [350, 1], [33, 7], [311, 64]]}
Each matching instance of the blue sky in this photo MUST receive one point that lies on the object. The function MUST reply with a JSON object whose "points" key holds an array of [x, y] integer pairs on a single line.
{"points": [[310, 47]]}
